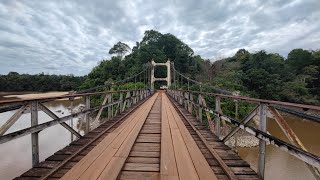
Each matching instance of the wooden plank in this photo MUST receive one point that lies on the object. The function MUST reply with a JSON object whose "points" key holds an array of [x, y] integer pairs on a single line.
{"points": [[112, 173], [148, 139], [143, 160], [122, 144], [156, 145], [184, 162], [112, 170], [48, 164], [146, 148], [36, 172], [200, 163], [168, 166], [103, 149], [144, 154], [132, 175], [141, 167], [226, 169], [142, 135], [243, 171], [60, 173], [125, 150]]}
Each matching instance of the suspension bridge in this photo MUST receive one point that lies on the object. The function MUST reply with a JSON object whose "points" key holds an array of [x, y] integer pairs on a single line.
{"points": [[142, 133]]}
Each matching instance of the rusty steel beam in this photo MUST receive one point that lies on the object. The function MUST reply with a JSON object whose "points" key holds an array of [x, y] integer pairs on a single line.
{"points": [[54, 116], [59, 97], [262, 143], [246, 120], [100, 110], [12, 120], [37, 128], [255, 100], [301, 154], [34, 135], [299, 114], [291, 149], [211, 126], [292, 137]]}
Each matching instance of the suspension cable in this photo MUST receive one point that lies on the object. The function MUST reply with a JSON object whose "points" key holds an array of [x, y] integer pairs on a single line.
{"points": [[114, 83], [200, 83]]}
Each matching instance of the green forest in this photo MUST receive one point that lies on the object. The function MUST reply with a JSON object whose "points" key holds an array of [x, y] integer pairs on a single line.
{"points": [[258, 74], [14, 81], [269, 75]]}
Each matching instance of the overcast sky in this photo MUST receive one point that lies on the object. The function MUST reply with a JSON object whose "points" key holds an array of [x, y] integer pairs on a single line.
{"points": [[71, 37]]}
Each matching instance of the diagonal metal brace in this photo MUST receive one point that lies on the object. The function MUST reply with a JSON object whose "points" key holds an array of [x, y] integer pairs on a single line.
{"points": [[54, 116], [12, 120], [244, 121]]}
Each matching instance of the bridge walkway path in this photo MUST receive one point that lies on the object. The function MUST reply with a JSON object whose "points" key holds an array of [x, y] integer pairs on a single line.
{"points": [[159, 140]]}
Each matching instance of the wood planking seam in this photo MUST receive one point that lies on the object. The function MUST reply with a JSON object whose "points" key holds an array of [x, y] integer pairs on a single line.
{"points": [[112, 170], [201, 165], [185, 166], [104, 144], [168, 165], [213, 152]]}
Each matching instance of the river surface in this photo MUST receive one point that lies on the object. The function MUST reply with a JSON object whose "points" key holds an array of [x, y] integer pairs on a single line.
{"points": [[279, 164], [16, 154]]}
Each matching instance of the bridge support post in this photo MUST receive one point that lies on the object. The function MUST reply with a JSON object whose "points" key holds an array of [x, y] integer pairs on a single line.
{"points": [[262, 143], [217, 118], [190, 103], [168, 78], [186, 99], [35, 135], [129, 99], [134, 95], [200, 108], [140, 95], [181, 98], [109, 107], [87, 115], [121, 103]]}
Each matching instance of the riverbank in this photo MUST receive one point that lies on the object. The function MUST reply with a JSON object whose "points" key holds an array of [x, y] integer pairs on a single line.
{"points": [[35, 95], [240, 139]]}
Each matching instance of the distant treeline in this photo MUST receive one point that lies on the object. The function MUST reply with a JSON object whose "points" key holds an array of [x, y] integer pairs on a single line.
{"points": [[257, 74], [269, 75], [14, 81]]}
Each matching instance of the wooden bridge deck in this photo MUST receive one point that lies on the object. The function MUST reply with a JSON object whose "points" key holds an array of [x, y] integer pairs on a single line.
{"points": [[158, 140]]}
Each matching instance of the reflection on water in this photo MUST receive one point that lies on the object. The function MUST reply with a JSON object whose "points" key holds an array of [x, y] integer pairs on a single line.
{"points": [[16, 154], [279, 164]]}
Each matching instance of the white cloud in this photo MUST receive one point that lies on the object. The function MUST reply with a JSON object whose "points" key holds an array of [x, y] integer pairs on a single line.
{"points": [[66, 37]]}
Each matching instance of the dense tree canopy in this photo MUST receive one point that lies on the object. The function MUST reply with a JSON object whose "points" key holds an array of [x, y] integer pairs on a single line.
{"points": [[271, 76], [154, 45], [14, 81], [120, 49]]}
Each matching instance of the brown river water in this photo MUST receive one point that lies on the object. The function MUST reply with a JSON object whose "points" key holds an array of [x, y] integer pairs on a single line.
{"points": [[16, 155]]}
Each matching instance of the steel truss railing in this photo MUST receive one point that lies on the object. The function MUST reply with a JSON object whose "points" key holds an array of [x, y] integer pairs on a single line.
{"points": [[195, 103], [297, 149], [114, 102]]}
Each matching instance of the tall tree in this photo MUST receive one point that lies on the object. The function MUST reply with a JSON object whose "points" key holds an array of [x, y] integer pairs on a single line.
{"points": [[298, 59], [120, 49]]}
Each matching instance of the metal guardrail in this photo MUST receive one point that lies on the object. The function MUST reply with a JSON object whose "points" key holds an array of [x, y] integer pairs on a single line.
{"points": [[297, 149], [125, 98]]}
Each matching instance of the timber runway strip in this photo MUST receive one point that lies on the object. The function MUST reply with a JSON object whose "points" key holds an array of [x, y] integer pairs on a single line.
{"points": [[155, 139]]}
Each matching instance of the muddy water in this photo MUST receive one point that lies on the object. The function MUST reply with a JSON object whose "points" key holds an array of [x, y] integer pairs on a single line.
{"points": [[16, 154], [279, 164]]}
